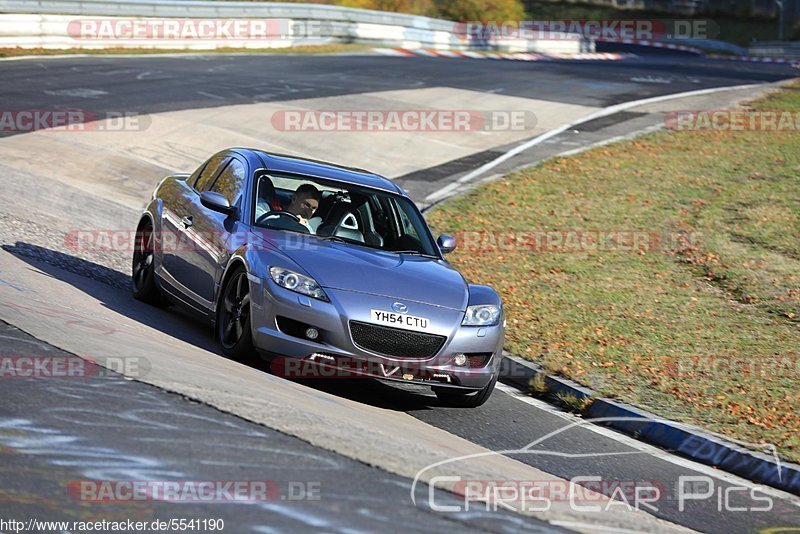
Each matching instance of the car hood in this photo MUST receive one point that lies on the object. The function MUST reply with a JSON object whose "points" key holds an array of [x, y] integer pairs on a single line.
{"points": [[354, 268]]}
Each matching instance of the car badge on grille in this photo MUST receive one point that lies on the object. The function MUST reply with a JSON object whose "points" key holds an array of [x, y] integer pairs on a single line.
{"points": [[399, 307]]}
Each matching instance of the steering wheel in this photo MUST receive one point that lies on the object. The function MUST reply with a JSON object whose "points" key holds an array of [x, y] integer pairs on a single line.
{"points": [[276, 212], [300, 226]]}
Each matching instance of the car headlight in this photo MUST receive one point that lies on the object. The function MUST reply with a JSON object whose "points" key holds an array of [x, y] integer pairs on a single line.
{"points": [[481, 315], [297, 282]]}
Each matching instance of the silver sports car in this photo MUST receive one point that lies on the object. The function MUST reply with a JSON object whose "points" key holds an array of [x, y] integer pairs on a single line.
{"points": [[326, 271]]}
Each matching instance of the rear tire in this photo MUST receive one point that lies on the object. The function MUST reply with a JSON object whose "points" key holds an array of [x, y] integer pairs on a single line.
{"points": [[143, 279], [456, 398], [233, 318]]}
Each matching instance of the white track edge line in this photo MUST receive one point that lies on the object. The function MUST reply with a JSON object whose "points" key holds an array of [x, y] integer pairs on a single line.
{"points": [[610, 110], [651, 450]]}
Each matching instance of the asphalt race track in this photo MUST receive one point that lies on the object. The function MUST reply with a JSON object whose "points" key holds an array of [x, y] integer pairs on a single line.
{"points": [[179, 82], [192, 414]]}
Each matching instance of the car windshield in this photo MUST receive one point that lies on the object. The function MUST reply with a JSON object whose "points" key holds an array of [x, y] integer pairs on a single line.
{"points": [[341, 212]]}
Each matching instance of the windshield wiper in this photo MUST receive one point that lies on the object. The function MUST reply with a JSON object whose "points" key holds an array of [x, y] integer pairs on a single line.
{"points": [[338, 239], [415, 253]]}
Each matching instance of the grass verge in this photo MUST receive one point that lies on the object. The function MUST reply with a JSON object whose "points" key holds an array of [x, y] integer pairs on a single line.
{"points": [[701, 322], [739, 30]]}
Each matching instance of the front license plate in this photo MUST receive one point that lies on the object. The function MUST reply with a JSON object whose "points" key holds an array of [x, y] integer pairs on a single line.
{"points": [[400, 320]]}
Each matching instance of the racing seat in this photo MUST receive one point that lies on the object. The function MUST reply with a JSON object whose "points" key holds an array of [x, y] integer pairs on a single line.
{"points": [[342, 223], [348, 228], [266, 199]]}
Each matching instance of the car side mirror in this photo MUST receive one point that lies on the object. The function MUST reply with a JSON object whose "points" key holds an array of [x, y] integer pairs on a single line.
{"points": [[217, 202], [447, 243]]}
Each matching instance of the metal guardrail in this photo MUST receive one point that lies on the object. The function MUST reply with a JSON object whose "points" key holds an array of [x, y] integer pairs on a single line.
{"points": [[43, 23], [209, 9]]}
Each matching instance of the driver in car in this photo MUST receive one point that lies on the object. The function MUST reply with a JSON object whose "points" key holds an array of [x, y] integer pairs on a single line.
{"points": [[305, 201]]}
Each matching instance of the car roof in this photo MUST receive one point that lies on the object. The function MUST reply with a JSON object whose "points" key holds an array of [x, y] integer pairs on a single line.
{"points": [[317, 169]]}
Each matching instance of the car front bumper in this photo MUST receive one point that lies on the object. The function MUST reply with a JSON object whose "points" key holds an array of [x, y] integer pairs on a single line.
{"points": [[334, 353]]}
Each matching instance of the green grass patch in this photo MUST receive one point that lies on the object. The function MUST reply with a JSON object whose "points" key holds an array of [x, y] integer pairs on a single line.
{"points": [[703, 326], [738, 30], [573, 404], [538, 386]]}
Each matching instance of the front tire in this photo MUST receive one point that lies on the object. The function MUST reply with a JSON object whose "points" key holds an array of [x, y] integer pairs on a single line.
{"points": [[456, 398], [233, 317], [143, 279]]}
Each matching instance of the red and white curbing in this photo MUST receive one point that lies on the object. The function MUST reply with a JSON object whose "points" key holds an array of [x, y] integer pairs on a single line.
{"points": [[694, 50], [518, 56], [521, 56]]}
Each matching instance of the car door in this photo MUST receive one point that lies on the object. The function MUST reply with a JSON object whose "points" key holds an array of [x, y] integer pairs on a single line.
{"points": [[211, 232], [177, 218]]}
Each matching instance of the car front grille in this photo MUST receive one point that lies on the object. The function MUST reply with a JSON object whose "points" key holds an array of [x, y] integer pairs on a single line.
{"points": [[395, 341]]}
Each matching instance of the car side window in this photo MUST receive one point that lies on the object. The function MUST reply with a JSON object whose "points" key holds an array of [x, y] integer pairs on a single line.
{"points": [[408, 228], [208, 172], [230, 183], [385, 220]]}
